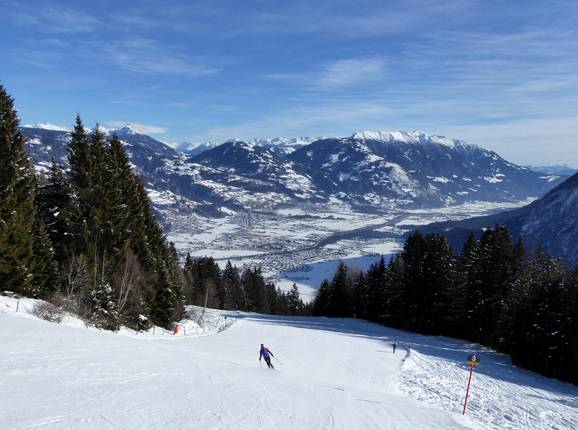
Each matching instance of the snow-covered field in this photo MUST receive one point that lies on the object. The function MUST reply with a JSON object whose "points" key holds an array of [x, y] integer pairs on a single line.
{"points": [[336, 374]]}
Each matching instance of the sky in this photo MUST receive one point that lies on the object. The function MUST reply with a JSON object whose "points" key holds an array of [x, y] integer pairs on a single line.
{"points": [[499, 74]]}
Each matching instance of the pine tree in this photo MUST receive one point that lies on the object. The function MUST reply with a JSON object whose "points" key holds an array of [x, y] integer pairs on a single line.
{"points": [[341, 293], [55, 208], [99, 228], [17, 212], [119, 188], [496, 277], [254, 287], [375, 291], [395, 307], [434, 292], [360, 298], [467, 292], [79, 160], [413, 258], [294, 303], [45, 268], [162, 303], [234, 296], [322, 299]]}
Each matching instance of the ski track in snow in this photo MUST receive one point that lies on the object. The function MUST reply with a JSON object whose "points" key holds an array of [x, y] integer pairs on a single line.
{"points": [[336, 374]]}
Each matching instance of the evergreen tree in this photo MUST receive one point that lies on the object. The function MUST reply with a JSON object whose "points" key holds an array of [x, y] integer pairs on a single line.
{"points": [[360, 298], [119, 180], [536, 341], [17, 211], [79, 160], [467, 289], [99, 228], [413, 281], [322, 299], [395, 307], [340, 304], [254, 287], [294, 304], [434, 292], [373, 291], [495, 278], [45, 280], [56, 209], [234, 296], [162, 304]]}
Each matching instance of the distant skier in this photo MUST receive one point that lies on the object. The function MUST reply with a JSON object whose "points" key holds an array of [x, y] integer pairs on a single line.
{"points": [[266, 354], [394, 346]]}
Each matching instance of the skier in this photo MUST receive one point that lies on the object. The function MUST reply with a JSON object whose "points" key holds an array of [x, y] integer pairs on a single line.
{"points": [[266, 354], [394, 346]]}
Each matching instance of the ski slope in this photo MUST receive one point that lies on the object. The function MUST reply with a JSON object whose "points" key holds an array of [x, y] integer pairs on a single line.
{"points": [[336, 374]]}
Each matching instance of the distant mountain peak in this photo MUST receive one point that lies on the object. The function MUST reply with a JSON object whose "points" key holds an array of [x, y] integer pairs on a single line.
{"points": [[126, 129], [414, 137]]}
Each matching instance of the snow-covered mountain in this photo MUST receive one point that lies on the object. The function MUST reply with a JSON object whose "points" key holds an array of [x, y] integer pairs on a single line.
{"points": [[549, 222], [257, 169], [283, 146], [376, 168], [372, 171], [192, 149], [280, 145]]}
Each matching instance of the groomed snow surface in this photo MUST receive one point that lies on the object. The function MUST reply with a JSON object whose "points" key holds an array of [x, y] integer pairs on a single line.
{"points": [[336, 374]]}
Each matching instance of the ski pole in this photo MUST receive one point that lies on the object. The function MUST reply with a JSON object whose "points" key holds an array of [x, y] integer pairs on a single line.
{"points": [[278, 360]]}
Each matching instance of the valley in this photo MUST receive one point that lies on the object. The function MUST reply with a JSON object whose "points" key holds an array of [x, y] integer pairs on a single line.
{"points": [[303, 245]]}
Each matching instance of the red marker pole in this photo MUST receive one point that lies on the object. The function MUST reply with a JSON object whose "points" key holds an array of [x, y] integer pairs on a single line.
{"points": [[468, 390]]}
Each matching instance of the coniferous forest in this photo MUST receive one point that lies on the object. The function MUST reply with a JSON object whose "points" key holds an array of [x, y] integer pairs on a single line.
{"points": [[87, 240], [492, 292]]}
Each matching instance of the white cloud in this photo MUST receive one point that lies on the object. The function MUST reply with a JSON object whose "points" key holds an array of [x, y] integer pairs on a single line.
{"points": [[47, 126], [351, 71]]}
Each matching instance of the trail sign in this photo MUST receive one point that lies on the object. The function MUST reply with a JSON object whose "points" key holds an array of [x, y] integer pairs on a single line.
{"points": [[474, 359]]}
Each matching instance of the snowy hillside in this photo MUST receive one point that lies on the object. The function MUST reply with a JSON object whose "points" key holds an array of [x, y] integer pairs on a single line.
{"points": [[335, 373], [549, 222]]}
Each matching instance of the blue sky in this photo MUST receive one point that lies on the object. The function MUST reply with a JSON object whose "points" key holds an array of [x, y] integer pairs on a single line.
{"points": [[500, 74]]}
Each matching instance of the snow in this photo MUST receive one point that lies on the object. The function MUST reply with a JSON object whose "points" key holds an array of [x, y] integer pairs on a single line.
{"points": [[494, 179], [414, 137], [440, 179], [330, 373], [550, 178]]}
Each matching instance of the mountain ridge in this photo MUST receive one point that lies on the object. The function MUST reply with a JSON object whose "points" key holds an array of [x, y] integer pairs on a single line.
{"points": [[370, 172]]}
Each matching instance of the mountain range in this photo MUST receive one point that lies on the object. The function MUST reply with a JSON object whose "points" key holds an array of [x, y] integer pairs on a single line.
{"points": [[371, 171]]}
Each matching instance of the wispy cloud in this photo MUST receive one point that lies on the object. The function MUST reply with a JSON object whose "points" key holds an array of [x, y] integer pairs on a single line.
{"points": [[51, 18], [351, 71], [338, 74], [143, 55]]}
